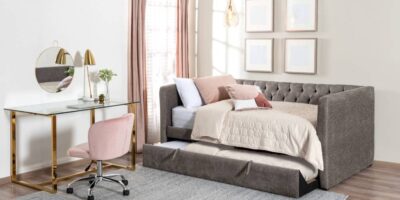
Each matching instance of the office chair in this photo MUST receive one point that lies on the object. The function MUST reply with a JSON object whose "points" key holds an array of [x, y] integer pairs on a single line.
{"points": [[108, 140]]}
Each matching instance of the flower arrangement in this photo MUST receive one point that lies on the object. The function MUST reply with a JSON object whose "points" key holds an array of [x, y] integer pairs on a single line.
{"points": [[106, 75]]}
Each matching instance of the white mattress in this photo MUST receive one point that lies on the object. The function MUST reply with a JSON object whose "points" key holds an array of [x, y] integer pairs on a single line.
{"points": [[173, 144], [307, 170], [183, 117]]}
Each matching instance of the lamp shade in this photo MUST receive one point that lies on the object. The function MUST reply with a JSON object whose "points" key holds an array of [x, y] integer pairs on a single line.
{"points": [[89, 58], [61, 58]]}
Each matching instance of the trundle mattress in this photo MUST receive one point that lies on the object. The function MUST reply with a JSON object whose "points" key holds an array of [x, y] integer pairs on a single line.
{"points": [[231, 166], [278, 160]]}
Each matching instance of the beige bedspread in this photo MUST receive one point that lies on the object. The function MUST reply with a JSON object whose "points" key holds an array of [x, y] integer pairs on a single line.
{"points": [[270, 130]]}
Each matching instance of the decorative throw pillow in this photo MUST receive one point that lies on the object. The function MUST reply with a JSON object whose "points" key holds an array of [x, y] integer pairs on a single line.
{"points": [[188, 92], [212, 88], [249, 104], [261, 101], [245, 92], [242, 92]]}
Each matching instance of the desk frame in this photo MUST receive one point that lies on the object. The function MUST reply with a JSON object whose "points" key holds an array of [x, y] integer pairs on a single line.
{"points": [[54, 178]]}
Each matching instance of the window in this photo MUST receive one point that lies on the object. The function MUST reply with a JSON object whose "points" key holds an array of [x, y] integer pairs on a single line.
{"points": [[161, 27]]}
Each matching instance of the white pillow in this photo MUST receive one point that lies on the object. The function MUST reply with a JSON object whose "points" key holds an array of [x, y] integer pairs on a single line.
{"points": [[245, 104], [188, 92]]}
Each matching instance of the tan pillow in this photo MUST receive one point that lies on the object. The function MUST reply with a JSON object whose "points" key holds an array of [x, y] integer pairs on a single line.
{"points": [[242, 92], [212, 88]]}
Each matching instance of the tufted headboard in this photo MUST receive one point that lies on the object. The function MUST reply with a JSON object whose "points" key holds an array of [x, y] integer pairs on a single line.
{"points": [[296, 92]]}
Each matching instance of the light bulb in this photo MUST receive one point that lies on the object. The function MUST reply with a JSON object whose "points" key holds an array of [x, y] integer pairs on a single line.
{"points": [[231, 16]]}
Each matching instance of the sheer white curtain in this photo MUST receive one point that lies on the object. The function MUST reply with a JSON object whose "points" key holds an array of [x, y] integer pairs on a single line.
{"points": [[161, 30]]}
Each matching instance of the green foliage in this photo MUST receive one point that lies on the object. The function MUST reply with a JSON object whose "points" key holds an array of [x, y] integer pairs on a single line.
{"points": [[106, 74], [70, 71]]}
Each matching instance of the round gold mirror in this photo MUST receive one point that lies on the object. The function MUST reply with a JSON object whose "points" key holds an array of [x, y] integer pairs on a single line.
{"points": [[54, 69]]}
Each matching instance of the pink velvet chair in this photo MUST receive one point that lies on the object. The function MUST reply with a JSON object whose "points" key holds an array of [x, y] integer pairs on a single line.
{"points": [[108, 139]]}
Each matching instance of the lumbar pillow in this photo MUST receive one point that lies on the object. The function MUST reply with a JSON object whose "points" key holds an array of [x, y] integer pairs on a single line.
{"points": [[246, 92], [188, 92], [242, 92], [249, 104], [212, 88]]}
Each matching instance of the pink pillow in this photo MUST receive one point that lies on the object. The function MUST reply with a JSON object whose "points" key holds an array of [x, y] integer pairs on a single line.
{"points": [[212, 88], [262, 102], [242, 92]]}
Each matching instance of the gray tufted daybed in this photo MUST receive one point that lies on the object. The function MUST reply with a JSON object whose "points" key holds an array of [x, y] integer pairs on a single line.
{"points": [[345, 127]]}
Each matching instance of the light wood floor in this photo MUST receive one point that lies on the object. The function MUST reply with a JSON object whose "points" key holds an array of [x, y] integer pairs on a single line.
{"points": [[379, 182]]}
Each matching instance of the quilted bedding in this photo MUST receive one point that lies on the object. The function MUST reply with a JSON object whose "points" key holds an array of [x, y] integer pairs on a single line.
{"points": [[270, 130]]}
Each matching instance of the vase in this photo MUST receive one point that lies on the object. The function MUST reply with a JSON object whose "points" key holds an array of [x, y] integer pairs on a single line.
{"points": [[107, 95]]}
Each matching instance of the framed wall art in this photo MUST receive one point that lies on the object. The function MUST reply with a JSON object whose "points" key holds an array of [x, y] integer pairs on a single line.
{"points": [[301, 15], [301, 56], [259, 55], [259, 15]]}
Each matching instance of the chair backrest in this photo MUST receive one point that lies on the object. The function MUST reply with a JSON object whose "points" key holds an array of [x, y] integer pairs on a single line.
{"points": [[111, 139]]}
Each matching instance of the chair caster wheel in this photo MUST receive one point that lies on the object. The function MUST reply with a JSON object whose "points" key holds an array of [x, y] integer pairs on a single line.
{"points": [[70, 190], [125, 192], [125, 182], [90, 197]]}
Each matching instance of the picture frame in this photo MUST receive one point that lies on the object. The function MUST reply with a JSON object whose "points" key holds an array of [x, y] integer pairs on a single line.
{"points": [[259, 16], [301, 55], [301, 15], [259, 55]]}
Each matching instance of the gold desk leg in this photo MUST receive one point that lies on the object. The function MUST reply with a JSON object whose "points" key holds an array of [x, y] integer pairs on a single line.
{"points": [[13, 147], [92, 117], [132, 109], [54, 152]]}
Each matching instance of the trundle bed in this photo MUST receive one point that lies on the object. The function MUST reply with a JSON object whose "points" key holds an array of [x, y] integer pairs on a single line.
{"points": [[343, 117]]}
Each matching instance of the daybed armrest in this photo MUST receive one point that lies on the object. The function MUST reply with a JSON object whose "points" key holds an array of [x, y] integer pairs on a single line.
{"points": [[346, 130], [169, 99]]}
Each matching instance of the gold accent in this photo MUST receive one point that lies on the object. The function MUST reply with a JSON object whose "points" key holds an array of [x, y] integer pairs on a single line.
{"points": [[132, 109], [13, 146], [110, 164], [89, 58], [92, 116], [61, 58], [54, 152], [35, 186]]}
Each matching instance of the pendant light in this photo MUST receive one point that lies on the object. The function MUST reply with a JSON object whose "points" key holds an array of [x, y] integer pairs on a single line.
{"points": [[231, 15]]}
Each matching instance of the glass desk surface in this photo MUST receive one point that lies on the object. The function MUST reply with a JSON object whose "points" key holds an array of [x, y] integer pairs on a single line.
{"points": [[62, 107]]}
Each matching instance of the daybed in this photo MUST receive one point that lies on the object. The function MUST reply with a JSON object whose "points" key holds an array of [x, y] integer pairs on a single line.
{"points": [[345, 128]]}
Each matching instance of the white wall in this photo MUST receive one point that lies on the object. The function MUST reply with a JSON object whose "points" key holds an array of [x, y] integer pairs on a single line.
{"points": [[27, 28], [359, 44]]}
